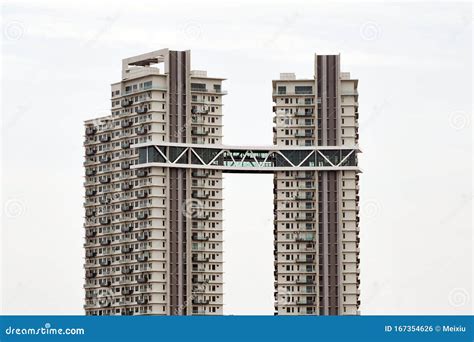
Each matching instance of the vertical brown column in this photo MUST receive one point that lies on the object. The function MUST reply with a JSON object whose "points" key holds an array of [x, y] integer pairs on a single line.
{"points": [[177, 79], [327, 78]]}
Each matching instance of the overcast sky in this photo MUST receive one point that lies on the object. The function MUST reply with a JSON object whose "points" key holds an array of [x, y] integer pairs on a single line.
{"points": [[414, 67]]}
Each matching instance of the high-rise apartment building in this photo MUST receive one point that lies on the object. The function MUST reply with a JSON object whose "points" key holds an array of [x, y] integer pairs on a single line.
{"points": [[316, 212], [146, 253], [153, 191]]}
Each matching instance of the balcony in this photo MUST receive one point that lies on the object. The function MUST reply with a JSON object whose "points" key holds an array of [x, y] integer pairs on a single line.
{"points": [[91, 130], [142, 300], [142, 279], [127, 291], [305, 301], [104, 262], [125, 144], [303, 135], [105, 282], [91, 233], [104, 180], [127, 312], [126, 186], [305, 281], [125, 166], [91, 172], [91, 274], [104, 220], [90, 254], [105, 242], [127, 270], [90, 212], [105, 159], [199, 237], [199, 195], [91, 192], [200, 131], [91, 151], [199, 289], [142, 194], [305, 238], [104, 138], [304, 176], [200, 301], [304, 218], [142, 237], [200, 258], [305, 260], [142, 173], [304, 114], [126, 207], [142, 110], [127, 228], [142, 216], [126, 123], [142, 258], [104, 200], [126, 249], [304, 197], [104, 302], [200, 174], [142, 130], [126, 103], [199, 216], [199, 111]]}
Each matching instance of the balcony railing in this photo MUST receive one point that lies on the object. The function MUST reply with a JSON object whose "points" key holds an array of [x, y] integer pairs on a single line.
{"points": [[126, 123], [104, 138], [199, 195], [104, 242], [91, 151], [91, 130], [126, 228], [126, 186], [142, 279], [126, 207], [126, 102], [91, 192], [142, 216], [104, 220], [142, 173], [104, 159], [91, 233], [199, 131], [142, 130], [91, 172], [200, 174]]}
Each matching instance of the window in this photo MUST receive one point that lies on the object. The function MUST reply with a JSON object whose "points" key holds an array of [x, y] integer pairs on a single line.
{"points": [[147, 85], [303, 89]]}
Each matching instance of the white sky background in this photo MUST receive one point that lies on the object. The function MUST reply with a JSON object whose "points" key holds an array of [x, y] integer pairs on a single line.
{"points": [[414, 67]]}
